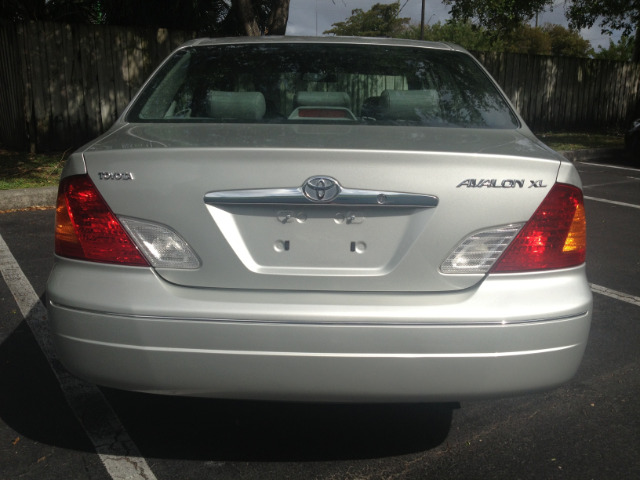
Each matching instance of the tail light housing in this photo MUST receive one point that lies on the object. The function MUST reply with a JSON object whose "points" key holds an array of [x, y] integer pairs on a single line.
{"points": [[87, 229], [555, 236]]}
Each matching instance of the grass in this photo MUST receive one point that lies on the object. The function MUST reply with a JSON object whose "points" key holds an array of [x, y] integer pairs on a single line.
{"points": [[580, 141], [28, 170]]}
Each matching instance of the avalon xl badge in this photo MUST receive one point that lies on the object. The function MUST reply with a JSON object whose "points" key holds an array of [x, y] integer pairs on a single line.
{"points": [[321, 189]]}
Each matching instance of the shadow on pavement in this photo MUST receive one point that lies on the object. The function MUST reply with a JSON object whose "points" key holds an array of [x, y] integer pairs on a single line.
{"points": [[33, 405], [225, 430], [31, 401]]}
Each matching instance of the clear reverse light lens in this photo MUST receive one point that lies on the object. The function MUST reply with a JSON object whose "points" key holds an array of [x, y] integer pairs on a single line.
{"points": [[478, 252], [161, 246]]}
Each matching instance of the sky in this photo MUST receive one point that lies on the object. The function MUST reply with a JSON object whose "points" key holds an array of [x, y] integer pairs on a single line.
{"points": [[312, 17]]}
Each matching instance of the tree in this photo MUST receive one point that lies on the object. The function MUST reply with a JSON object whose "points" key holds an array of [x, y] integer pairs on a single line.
{"points": [[613, 15], [379, 21], [202, 16], [465, 34], [498, 16], [567, 42], [258, 17], [622, 51], [206, 17], [547, 40], [528, 39], [21, 10]]}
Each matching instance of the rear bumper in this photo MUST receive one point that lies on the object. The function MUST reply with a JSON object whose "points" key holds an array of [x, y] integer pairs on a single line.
{"points": [[318, 346]]}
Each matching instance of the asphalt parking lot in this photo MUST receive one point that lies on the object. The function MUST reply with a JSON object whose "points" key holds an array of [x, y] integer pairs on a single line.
{"points": [[53, 426]]}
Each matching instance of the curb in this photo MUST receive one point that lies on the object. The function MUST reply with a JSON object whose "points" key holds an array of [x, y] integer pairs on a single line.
{"points": [[22, 198]]}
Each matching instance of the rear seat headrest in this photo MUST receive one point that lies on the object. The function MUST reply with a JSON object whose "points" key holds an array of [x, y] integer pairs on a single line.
{"points": [[409, 104], [236, 105]]}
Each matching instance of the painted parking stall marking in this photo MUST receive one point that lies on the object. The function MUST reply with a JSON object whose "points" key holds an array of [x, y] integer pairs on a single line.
{"points": [[612, 202], [624, 297], [630, 179], [604, 165], [115, 448]]}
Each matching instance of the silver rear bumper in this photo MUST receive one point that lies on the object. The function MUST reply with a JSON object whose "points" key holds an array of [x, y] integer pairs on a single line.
{"points": [[319, 347]]}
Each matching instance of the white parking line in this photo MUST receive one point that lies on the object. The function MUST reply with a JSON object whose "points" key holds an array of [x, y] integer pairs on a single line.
{"points": [[613, 202], [117, 451], [608, 184], [615, 167], [624, 297]]}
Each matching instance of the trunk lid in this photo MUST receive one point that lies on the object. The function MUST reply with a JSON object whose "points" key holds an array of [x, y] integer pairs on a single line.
{"points": [[237, 195]]}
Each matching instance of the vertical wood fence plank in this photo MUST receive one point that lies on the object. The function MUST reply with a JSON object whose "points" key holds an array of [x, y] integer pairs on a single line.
{"points": [[57, 88], [40, 82], [599, 115], [77, 114], [89, 84], [625, 90], [564, 92], [12, 127], [609, 92], [634, 107], [531, 88], [547, 85], [105, 80], [120, 68]]}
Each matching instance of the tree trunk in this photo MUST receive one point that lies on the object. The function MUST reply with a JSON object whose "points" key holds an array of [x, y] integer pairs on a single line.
{"points": [[278, 18], [635, 57], [247, 18]]}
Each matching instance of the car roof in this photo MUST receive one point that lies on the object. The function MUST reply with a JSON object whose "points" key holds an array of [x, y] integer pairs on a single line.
{"points": [[324, 40]]}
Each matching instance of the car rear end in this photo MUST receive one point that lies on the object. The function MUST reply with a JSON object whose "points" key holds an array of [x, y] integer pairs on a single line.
{"points": [[305, 222]]}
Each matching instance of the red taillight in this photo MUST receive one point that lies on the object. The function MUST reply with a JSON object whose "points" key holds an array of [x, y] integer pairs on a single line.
{"points": [[86, 228], [554, 237]]}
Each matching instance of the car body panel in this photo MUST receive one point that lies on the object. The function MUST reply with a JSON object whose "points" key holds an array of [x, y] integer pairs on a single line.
{"points": [[239, 244], [296, 298]]}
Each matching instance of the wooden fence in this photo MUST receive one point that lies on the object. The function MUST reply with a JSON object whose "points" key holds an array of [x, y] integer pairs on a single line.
{"points": [[61, 85], [65, 84], [564, 93]]}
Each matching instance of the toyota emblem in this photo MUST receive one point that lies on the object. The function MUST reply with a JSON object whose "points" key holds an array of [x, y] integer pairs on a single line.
{"points": [[321, 189]]}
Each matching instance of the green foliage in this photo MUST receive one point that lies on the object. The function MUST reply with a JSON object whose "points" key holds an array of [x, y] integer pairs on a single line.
{"points": [[528, 39], [465, 34], [612, 15], [580, 141], [506, 20], [379, 21], [26, 170], [20, 10], [383, 21], [621, 51], [206, 17], [546, 40], [499, 16], [567, 42]]}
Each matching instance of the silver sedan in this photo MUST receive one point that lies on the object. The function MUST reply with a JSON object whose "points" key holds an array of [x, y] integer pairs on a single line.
{"points": [[320, 219]]}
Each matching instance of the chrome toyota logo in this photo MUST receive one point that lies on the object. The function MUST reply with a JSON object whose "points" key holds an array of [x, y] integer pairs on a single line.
{"points": [[321, 189]]}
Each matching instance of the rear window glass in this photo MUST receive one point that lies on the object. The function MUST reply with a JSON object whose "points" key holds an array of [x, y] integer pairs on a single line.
{"points": [[323, 83]]}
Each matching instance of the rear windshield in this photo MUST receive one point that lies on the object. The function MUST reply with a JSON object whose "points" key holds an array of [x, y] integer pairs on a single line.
{"points": [[323, 83]]}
